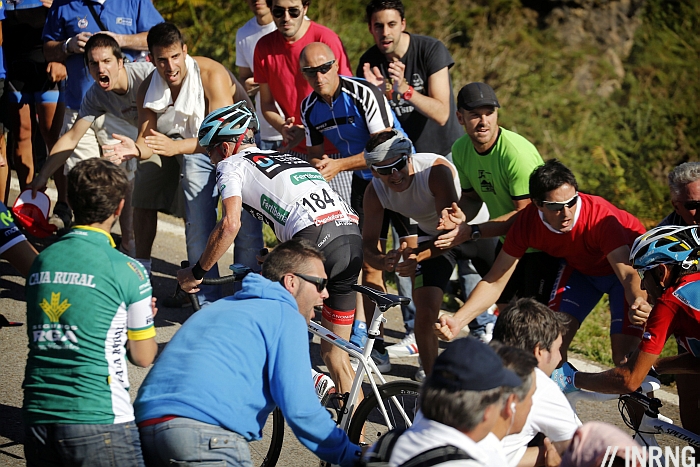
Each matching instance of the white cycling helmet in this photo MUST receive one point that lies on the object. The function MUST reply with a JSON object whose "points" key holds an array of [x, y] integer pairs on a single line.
{"points": [[666, 245]]}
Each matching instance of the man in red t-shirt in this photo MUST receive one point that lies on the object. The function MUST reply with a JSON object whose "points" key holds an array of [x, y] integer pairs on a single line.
{"points": [[276, 65], [591, 236], [667, 257]]}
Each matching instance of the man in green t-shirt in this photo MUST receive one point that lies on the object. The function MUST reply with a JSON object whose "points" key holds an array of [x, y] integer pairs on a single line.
{"points": [[494, 166], [89, 307]]}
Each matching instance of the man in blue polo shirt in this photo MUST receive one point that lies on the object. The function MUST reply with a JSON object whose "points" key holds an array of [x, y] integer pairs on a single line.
{"points": [[69, 25]]}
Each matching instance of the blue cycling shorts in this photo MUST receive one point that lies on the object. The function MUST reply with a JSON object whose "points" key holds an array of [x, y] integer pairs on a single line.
{"points": [[577, 294]]}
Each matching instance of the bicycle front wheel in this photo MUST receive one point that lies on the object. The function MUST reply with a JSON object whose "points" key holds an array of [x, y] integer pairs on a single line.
{"points": [[368, 420], [266, 451]]}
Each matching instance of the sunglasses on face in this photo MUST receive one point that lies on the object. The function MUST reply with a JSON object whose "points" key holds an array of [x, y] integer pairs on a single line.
{"points": [[311, 71], [211, 149], [557, 206], [692, 205], [319, 282], [278, 12], [389, 169]]}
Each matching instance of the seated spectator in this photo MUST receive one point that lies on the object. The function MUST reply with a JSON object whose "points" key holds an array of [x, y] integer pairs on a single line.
{"points": [[531, 326], [460, 402], [517, 402], [180, 407]]}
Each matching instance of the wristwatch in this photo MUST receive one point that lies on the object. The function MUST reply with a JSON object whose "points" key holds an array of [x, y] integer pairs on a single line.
{"points": [[408, 94], [476, 232], [65, 46]]}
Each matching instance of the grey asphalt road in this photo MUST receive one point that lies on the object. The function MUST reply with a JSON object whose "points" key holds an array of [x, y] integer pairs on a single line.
{"points": [[169, 250]]}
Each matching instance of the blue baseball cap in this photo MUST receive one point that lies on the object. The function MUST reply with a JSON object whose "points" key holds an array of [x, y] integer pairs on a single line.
{"points": [[470, 365]]}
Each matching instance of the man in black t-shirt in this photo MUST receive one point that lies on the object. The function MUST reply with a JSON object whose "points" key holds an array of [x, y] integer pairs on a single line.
{"points": [[414, 72]]}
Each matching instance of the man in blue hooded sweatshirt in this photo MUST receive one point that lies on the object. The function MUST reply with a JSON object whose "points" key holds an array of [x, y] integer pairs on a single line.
{"points": [[231, 363]]}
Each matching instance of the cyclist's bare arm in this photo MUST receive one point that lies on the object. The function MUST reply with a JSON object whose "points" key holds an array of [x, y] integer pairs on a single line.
{"points": [[60, 153], [142, 353], [493, 228], [683, 364], [220, 239], [484, 295], [623, 379]]}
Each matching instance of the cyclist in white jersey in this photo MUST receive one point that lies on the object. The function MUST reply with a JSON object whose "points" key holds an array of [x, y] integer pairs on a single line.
{"points": [[293, 198]]}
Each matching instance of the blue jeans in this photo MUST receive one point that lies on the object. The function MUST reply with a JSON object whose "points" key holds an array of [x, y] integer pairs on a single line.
{"points": [[198, 180], [249, 241], [83, 445], [187, 442], [272, 145]]}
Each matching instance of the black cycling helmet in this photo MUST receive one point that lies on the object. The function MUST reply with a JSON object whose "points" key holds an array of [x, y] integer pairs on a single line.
{"points": [[227, 124]]}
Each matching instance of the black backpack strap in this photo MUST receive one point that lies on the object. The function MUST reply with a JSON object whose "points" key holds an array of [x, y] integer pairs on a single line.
{"points": [[381, 450], [97, 19], [437, 456]]}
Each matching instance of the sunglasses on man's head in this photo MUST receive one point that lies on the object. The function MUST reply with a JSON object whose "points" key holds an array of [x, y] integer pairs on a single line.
{"points": [[319, 282], [311, 71], [278, 12], [692, 205], [389, 169], [557, 206]]}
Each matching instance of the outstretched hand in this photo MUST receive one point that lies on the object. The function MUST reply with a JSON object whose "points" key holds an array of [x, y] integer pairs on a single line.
{"points": [[454, 221], [373, 75], [402, 261], [328, 167], [187, 282], [447, 327], [161, 144], [123, 151], [292, 135]]}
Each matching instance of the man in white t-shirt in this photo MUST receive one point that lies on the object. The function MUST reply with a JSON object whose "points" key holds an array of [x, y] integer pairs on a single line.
{"points": [[246, 38], [531, 326], [460, 402]]}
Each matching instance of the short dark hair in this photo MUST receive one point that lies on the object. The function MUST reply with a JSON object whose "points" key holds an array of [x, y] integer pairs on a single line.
{"points": [[95, 189], [164, 35], [303, 3], [548, 177], [100, 40], [525, 323], [522, 362], [380, 5], [290, 256]]}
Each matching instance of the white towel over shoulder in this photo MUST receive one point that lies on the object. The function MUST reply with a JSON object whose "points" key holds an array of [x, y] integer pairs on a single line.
{"points": [[188, 109]]}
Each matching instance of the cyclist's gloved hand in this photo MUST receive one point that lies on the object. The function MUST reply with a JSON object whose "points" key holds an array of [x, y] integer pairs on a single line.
{"points": [[564, 377]]}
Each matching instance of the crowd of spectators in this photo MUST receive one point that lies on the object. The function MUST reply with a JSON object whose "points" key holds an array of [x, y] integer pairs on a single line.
{"points": [[103, 97]]}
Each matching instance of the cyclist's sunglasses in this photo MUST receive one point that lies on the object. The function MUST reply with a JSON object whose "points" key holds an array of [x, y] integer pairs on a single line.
{"points": [[319, 282], [278, 12], [692, 205], [311, 71], [557, 206], [389, 169]]}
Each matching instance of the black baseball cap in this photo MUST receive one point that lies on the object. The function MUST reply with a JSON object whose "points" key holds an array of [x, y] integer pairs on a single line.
{"points": [[475, 95], [470, 365]]}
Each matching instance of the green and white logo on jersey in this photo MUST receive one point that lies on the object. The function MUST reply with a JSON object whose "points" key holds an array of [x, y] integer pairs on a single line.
{"points": [[274, 210], [301, 177]]}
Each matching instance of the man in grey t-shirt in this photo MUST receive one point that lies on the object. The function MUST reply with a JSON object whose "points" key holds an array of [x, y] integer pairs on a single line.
{"points": [[109, 107]]}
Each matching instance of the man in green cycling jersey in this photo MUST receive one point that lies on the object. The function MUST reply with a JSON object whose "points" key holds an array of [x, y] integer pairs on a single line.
{"points": [[89, 307]]}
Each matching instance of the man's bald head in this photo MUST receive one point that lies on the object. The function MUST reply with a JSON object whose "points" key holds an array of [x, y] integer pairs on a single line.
{"points": [[315, 50]]}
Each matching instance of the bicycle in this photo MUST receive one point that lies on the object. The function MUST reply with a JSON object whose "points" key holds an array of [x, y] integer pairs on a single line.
{"points": [[652, 423], [389, 404]]}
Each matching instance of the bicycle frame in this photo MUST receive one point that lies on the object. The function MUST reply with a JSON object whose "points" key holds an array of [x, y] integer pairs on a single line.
{"points": [[653, 423], [367, 366]]}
